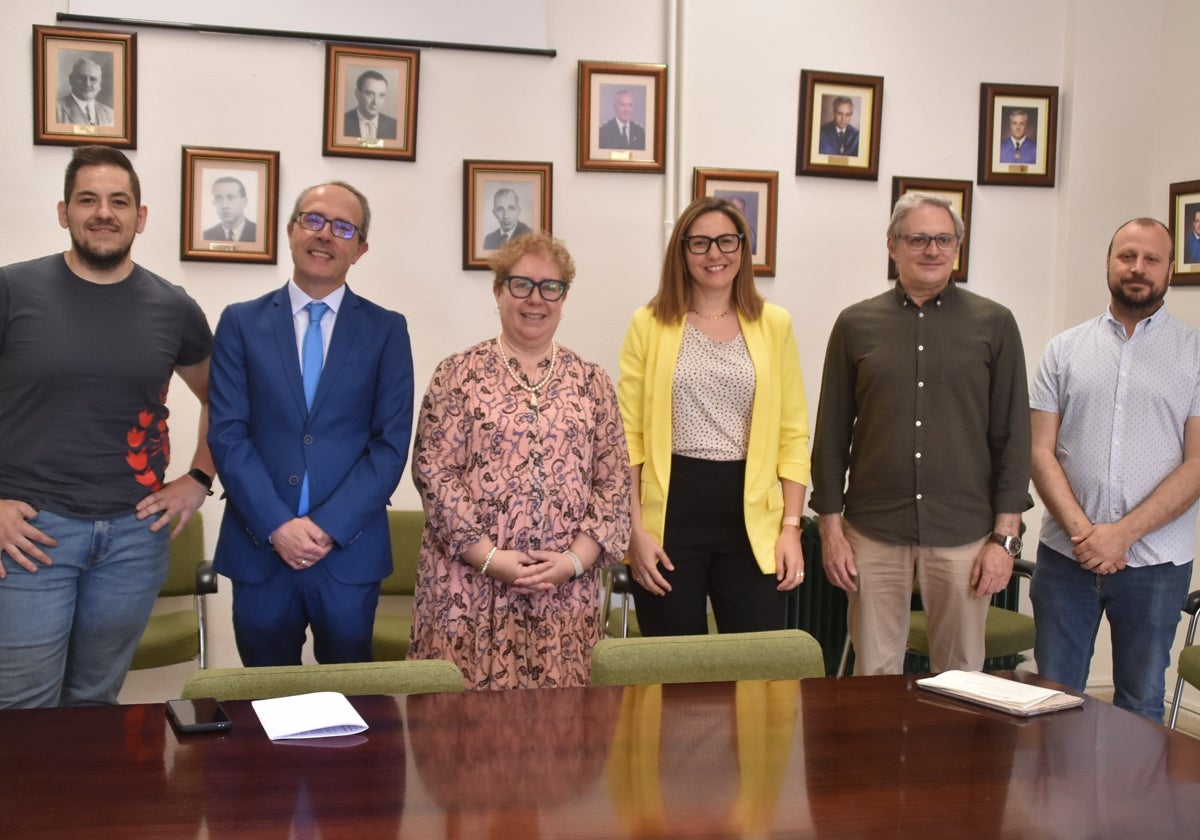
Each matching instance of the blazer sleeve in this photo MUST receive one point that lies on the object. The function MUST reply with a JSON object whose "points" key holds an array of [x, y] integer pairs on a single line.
{"points": [[244, 474], [632, 384]]}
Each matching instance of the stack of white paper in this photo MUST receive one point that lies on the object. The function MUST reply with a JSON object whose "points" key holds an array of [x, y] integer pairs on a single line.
{"points": [[987, 687], [323, 714]]}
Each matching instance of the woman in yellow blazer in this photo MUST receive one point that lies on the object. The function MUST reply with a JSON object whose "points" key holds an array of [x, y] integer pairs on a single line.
{"points": [[713, 403]]}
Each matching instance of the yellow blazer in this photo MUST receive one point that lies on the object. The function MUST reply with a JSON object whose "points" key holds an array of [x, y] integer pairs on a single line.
{"points": [[778, 446]]}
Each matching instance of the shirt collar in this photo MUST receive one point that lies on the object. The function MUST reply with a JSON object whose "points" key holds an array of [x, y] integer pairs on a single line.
{"points": [[299, 299], [1146, 323], [947, 294]]}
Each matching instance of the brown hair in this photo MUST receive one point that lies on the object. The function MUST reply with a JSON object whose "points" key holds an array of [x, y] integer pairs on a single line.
{"points": [[536, 242], [674, 296], [100, 156]]}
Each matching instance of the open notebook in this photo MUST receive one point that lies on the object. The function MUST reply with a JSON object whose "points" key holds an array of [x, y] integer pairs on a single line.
{"points": [[1015, 698]]}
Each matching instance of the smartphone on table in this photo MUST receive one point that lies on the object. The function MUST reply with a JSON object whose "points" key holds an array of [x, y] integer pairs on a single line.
{"points": [[202, 714]]}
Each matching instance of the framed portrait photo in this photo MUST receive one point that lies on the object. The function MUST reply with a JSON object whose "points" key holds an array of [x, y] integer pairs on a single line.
{"points": [[1018, 135], [230, 205], [959, 194], [840, 121], [503, 199], [755, 193], [622, 117], [370, 102], [84, 87], [1184, 221]]}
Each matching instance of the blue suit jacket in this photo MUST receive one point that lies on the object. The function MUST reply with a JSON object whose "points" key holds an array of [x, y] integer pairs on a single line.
{"points": [[1191, 253], [828, 144], [353, 443], [1028, 151]]}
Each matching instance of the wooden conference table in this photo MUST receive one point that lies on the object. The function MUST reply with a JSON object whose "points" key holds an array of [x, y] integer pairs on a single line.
{"points": [[837, 758]]}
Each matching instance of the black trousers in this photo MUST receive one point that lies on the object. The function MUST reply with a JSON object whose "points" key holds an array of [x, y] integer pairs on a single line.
{"points": [[705, 537]]}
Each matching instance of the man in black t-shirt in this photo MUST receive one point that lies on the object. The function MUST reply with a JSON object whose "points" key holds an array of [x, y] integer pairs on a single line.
{"points": [[88, 344]]}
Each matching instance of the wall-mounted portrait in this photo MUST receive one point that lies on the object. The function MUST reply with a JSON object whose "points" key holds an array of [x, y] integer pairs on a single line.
{"points": [[501, 201], [370, 102], [840, 123], [1018, 135], [755, 193], [959, 195], [84, 87], [622, 116], [230, 205], [1184, 221]]}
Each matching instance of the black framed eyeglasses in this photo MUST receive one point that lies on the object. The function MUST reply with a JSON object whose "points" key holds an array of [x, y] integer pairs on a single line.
{"points": [[522, 287], [727, 243], [339, 227], [920, 241]]}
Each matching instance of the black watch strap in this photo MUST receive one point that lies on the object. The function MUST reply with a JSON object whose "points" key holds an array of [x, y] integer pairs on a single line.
{"points": [[202, 477]]}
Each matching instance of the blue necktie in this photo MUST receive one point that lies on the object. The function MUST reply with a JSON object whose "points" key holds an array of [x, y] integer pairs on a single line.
{"points": [[313, 359]]}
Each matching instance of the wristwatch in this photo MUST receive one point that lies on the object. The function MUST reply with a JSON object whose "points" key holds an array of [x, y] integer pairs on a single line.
{"points": [[202, 478], [1010, 544]]}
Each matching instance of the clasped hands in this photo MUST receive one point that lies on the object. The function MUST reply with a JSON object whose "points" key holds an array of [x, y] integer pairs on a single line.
{"points": [[530, 572]]}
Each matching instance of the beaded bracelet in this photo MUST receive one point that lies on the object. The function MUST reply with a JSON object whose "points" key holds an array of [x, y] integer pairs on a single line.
{"points": [[487, 560], [575, 561]]}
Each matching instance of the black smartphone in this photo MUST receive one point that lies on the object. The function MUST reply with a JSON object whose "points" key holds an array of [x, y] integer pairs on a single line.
{"points": [[204, 714]]}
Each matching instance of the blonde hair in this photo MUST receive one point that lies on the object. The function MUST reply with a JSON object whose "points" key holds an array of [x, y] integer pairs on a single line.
{"points": [[538, 242]]}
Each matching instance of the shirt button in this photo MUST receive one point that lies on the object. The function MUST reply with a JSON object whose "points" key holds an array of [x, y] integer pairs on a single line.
{"points": [[918, 423], [293, 480], [920, 384], [918, 455], [918, 497], [920, 347], [308, 439], [920, 314]]}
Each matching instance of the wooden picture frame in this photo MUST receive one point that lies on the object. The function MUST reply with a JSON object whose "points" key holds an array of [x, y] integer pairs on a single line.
{"points": [[755, 192], [841, 119], [959, 193], [622, 117], [1184, 222], [84, 87], [381, 81], [230, 209], [1029, 113], [501, 199]]}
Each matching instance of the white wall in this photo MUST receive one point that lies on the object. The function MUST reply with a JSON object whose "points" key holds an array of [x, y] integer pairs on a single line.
{"points": [[1119, 66]]}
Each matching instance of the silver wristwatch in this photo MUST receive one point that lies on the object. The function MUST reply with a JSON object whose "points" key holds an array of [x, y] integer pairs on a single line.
{"points": [[1010, 544]]}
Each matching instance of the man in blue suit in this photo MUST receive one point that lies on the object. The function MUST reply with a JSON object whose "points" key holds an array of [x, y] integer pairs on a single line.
{"points": [[309, 452], [1191, 244], [1018, 146], [838, 137]]}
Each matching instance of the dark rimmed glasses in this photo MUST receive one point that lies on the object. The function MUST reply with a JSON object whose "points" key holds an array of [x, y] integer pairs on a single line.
{"points": [[920, 241], [338, 227], [522, 287], [727, 243]]}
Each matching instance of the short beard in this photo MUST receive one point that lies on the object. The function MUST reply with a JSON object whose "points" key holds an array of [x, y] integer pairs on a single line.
{"points": [[101, 263], [1146, 306]]}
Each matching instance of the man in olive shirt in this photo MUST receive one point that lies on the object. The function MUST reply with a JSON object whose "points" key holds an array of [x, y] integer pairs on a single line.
{"points": [[924, 401]]}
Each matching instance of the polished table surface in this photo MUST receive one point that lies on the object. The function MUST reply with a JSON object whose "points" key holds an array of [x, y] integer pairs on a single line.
{"points": [[837, 758]]}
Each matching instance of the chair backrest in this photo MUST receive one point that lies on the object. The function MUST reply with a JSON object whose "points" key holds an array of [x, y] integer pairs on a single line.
{"points": [[408, 677], [184, 556], [771, 655], [406, 527]]}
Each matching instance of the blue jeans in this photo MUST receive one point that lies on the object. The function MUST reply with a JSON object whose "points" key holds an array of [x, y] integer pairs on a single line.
{"points": [[69, 630], [1143, 606]]}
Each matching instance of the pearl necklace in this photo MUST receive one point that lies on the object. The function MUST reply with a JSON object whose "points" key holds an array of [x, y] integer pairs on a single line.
{"points": [[533, 390], [709, 317]]}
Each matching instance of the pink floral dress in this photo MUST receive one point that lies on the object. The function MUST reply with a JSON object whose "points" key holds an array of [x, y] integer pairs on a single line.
{"points": [[488, 465]]}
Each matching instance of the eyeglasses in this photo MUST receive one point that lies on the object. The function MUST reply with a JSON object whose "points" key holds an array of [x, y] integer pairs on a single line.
{"points": [[522, 287], [727, 243], [920, 241], [339, 227]]}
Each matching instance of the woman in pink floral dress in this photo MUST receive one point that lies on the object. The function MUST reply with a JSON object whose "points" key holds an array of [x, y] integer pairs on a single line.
{"points": [[523, 471]]}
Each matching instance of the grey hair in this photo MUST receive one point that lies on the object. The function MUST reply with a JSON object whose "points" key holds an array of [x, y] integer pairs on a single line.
{"points": [[911, 201]]}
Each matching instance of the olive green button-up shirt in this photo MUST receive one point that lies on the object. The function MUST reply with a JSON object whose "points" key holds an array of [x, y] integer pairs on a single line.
{"points": [[927, 409]]}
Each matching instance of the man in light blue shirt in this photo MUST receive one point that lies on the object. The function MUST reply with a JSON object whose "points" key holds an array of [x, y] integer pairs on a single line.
{"points": [[1116, 460]]}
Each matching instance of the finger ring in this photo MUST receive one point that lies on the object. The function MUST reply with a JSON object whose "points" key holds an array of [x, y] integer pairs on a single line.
{"points": [[303, 562], [799, 575]]}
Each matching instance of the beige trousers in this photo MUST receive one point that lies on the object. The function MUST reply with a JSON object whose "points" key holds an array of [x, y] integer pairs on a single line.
{"points": [[879, 610]]}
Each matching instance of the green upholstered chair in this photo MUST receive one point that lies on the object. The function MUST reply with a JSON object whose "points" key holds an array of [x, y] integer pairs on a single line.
{"points": [[1189, 657], [771, 655], [180, 635], [354, 678], [1008, 632], [393, 628]]}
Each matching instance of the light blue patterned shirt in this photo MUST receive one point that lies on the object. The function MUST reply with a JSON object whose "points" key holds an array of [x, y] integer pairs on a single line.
{"points": [[1122, 403]]}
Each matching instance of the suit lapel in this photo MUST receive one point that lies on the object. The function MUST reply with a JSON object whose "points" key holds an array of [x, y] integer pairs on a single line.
{"points": [[284, 329]]}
